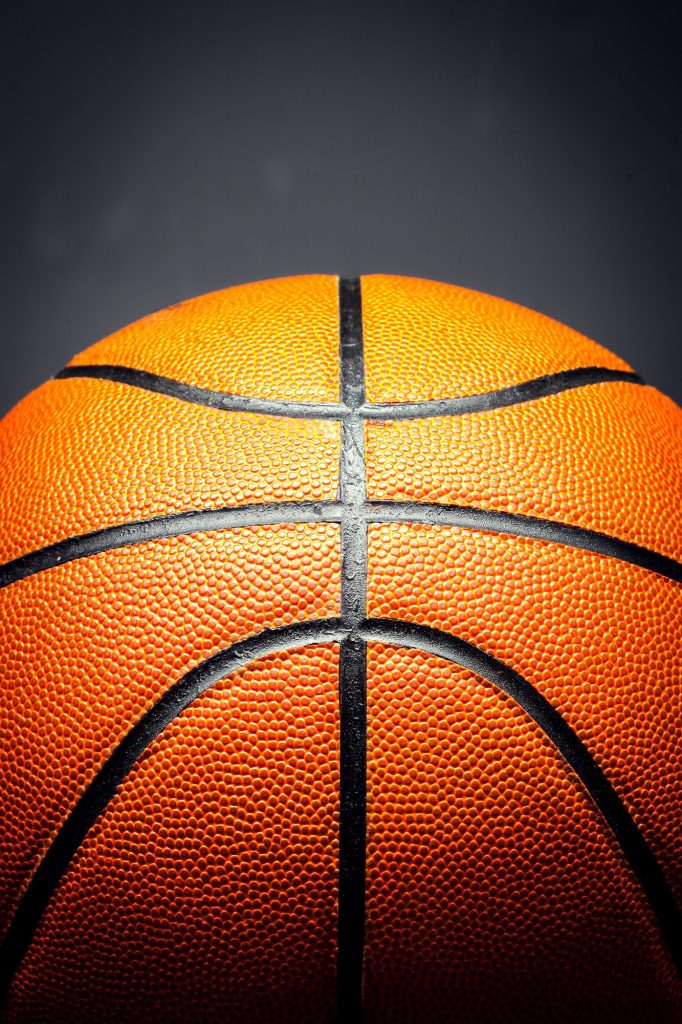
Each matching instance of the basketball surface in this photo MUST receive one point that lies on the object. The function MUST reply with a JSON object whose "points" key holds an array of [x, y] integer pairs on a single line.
{"points": [[341, 669]]}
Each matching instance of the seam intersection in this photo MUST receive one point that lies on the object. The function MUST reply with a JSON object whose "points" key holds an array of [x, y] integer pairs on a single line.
{"points": [[353, 663]]}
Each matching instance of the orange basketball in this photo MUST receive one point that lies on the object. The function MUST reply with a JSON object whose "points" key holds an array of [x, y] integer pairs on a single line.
{"points": [[341, 670]]}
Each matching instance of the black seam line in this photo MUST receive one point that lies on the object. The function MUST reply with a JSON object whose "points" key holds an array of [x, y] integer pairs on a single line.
{"points": [[633, 845], [204, 396], [353, 664], [527, 391], [517, 525], [106, 782], [178, 524], [180, 695], [182, 524]]}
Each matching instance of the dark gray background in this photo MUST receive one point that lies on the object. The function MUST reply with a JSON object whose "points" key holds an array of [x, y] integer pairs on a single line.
{"points": [[527, 149]]}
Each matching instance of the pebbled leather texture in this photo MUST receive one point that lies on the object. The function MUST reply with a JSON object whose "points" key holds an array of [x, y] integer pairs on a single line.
{"points": [[488, 881]]}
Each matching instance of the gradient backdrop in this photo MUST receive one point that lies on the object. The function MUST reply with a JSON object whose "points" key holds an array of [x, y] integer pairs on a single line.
{"points": [[528, 149]]}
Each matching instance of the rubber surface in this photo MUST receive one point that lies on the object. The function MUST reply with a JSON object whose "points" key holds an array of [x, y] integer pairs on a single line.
{"points": [[348, 824]]}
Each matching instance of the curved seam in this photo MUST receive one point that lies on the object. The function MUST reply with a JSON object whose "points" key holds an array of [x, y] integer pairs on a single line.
{"points": [[408, 635], [106, 782], [515, 394], [515, 524], [180, 524], [177, 524], [222, 400], [632, 843]]}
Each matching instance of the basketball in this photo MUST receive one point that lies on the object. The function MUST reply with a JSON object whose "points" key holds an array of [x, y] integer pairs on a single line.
{"points": [[342, 670]]}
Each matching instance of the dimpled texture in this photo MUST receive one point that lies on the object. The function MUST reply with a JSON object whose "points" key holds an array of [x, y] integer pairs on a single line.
{"points": [[77, 674], [491, 882], [272, 339], [598, 637], [207, 889], [426, 340], [102, 453], [213, 871], [604, 457]]}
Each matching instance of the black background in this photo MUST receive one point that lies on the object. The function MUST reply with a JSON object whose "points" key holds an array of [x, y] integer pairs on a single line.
{"points": [[157, 151]]}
